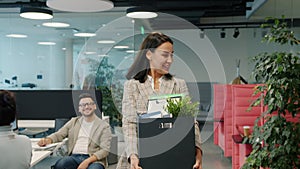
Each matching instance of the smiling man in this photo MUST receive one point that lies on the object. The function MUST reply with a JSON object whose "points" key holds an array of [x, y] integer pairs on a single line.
{"points": [[88, 138]]}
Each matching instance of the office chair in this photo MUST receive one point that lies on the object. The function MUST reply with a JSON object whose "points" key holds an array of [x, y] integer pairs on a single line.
{"points": [[60, 150], [59, 122]]}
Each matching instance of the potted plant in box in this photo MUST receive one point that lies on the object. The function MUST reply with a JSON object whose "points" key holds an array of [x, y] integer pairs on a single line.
{"points": [[183, 107]]}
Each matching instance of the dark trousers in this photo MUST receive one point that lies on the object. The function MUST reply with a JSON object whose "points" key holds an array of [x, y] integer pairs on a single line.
{"points": [[73, 161]]}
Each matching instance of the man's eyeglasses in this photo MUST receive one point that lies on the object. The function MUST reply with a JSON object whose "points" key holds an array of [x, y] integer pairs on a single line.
{"points": [[86, 104]]}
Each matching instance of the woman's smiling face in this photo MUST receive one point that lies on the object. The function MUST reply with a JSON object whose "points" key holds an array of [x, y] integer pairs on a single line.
{"points": [[161, 58]]}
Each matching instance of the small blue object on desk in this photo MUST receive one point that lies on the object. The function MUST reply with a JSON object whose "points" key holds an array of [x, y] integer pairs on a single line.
{"points": [[30, 85]]}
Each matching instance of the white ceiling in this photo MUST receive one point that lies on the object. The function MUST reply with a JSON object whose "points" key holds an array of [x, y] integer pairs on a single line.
{"points": [[11, 22]]}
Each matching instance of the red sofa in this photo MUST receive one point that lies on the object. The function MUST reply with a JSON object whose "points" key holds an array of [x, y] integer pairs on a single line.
{"points": [[223, 118], [242, 97], [219, 103], [230, 115]]}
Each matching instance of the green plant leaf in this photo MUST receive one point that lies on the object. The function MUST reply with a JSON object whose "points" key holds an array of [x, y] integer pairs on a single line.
{"points": [[279, 72], [182, 107]]}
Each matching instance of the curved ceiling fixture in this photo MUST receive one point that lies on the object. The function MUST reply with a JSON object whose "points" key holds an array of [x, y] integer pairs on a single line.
{"points": [[141, 13], [80, 5], [35, 13]]}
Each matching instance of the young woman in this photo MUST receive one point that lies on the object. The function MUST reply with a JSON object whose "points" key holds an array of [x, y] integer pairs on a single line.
{"points": [[149, 75]]}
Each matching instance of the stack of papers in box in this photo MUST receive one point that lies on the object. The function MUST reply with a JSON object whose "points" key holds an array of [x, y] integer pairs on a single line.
{"points": [[151, 115], [157, 104]]}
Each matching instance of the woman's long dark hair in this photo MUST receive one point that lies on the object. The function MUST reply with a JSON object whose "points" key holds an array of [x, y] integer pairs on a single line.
{"points": [[140, 67]]}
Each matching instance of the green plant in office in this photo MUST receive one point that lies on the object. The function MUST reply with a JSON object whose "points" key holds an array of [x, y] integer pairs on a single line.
{"points": [[109, 106], [111, 93], [276, 142], [182, 107]]}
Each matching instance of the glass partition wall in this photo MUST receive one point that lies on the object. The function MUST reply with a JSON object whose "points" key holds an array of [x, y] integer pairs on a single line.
{"points": [[47, 58], [36, 56], [44, 57]]}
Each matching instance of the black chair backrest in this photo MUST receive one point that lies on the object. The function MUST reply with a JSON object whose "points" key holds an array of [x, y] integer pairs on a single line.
{"points": [[59, 122]]}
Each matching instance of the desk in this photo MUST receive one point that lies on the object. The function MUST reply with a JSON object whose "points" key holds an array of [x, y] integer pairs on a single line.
{"points": [[36, 123], [38, 156], [34, 127]]}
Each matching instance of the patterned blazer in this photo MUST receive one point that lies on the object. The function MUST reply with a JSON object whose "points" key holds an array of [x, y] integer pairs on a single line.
{"points": [[135, 100], [99, 142]]}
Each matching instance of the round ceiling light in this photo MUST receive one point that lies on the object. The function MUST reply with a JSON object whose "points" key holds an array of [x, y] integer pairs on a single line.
{"points": [[106, 41], [35, 13], [47, 43], [121, 47], [16, 35], [80, 5], [84, 34], [140, 13], [56, 24]]}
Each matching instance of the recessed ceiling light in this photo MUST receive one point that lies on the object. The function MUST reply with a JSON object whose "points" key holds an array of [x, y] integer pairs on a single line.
{"points": [[102, 55], [84, 34], [47, 43], [56, 24], [121, 47], [89, 53], [16, 36], [106, 41], [80, 5], [129, 51]]}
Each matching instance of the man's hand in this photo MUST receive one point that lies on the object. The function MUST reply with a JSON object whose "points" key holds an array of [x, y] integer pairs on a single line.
{"points": [[44, 141], [134, 162], [84, 164]]}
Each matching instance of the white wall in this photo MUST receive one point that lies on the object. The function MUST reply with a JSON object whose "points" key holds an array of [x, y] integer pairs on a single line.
{"points": [[248, 44]]}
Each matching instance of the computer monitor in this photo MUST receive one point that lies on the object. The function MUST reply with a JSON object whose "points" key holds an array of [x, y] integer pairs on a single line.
{"points": [[51, 104]]}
